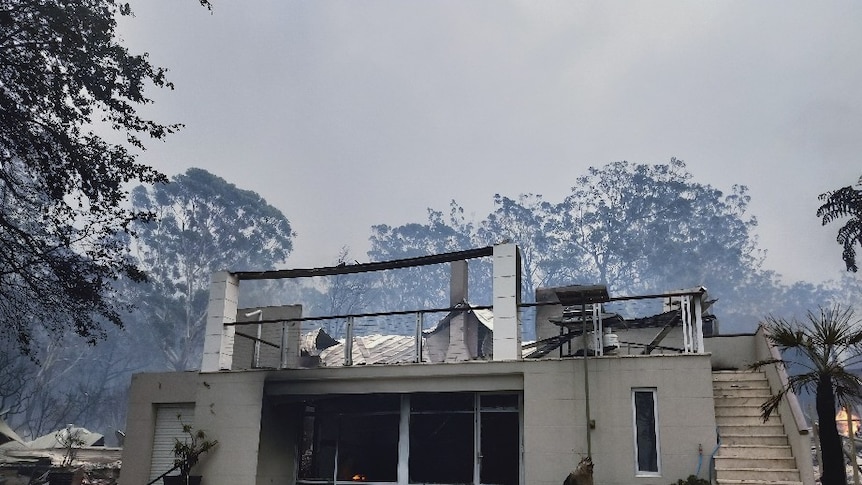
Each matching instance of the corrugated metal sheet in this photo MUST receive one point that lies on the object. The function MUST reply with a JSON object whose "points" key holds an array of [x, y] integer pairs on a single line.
{"points": [[386, 349], [7, 434], [53, 440], [372, 349], [313, 342], [485, 317]]}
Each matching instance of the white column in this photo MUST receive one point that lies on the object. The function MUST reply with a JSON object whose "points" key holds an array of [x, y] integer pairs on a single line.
{"points": [[218, 340], [507, 296], [698, 322]]}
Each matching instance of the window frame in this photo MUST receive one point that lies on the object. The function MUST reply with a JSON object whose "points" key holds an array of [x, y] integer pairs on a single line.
{"points": [[403, 447], [654, 393]]}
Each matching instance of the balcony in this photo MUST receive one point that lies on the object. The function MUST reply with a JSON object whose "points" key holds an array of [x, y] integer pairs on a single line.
{"points": [[569, 322]]}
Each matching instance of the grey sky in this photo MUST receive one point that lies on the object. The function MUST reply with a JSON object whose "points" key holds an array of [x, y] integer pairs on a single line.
{"points": [[349, 114]]}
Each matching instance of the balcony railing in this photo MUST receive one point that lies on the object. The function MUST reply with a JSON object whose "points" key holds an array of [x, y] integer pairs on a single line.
{"points": [[464, 332]]}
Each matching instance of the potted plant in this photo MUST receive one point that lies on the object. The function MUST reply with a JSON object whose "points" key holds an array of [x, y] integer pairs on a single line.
{"points": [[187, 453]]}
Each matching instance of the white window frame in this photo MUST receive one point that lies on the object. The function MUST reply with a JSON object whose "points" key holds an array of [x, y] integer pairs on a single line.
{"points": [[638, 472]]}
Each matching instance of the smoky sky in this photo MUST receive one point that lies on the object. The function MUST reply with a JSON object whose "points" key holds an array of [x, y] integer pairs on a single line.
{"points": [[348, 114]]}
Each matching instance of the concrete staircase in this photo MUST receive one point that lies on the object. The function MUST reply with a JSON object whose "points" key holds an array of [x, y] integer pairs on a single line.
{"points": [[752, 452]]}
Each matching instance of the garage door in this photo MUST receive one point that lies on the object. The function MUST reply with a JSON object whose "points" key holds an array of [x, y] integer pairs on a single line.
{"points": [[169, 428]]}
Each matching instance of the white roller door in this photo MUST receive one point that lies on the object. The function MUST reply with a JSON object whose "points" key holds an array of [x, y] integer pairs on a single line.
{"points": [[168, 430]]}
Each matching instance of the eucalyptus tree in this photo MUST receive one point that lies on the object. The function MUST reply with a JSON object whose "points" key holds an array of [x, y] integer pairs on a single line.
{"points": [[534, 224], [202, 224], [68, 90], [822, 350], [841, 203], [635, 227], [424, 286]]}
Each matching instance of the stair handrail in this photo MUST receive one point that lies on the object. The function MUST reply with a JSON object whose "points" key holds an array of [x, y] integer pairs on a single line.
{"points": [[792, 401], [776, 376]]}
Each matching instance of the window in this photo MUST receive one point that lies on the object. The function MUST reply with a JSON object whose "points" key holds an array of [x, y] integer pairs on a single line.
{"points": [[441, 432], [444, 438], [354, 439], [645, 412], [500, 447]]}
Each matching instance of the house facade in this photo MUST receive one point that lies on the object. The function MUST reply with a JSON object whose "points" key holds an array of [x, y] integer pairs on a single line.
{"points": [[474, 405]]}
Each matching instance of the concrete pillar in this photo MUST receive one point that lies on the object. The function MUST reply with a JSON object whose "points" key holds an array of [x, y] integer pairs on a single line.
{"points": [[290, 354], [458, 281], [507, 296], [698, 323], [218, 340], [459, 339]]}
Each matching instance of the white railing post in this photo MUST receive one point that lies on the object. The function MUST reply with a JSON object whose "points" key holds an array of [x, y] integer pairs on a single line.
{"points": [[283, 347], [598, 331], [417, 356], [685, 313], [698, 322], [348, 343]]}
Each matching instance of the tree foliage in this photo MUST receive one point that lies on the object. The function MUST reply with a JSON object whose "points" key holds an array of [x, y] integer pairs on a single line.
{"points": [[535, 225], [824, 348], [838, 204], [72, 383], [203, 224], [424, 286], [634, 227], [637, 226], [68, 88]]}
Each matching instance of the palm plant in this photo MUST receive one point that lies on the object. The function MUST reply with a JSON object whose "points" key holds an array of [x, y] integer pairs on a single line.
{"points": [[187, 452], [845, 202], [825, 348]]}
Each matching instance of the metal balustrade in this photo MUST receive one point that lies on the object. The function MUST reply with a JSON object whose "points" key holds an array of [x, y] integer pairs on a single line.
{"points": [[400, 337]]}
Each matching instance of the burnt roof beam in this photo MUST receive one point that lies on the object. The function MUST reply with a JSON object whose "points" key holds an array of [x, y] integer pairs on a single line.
{"points": [[366, 267]]}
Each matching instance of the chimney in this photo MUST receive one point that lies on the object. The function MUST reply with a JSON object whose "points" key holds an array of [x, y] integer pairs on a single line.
{"points": [[463, 337]]}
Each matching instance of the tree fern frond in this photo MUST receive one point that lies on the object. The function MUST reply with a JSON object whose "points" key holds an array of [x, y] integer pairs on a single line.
{"points": [[844, 202]]}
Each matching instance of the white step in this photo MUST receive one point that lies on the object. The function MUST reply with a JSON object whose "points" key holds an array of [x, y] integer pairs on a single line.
{"points": [[778, 439], [742, 420], [735, 376], [755, 401], [722, 410], [757, 482], [758, 451], [726, 385], [770, 428], [769, 475], [756, 392], [754, 462]]}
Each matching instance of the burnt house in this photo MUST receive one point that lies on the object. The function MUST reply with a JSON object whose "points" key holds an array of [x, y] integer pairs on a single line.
{"points": [[651, 398]]}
